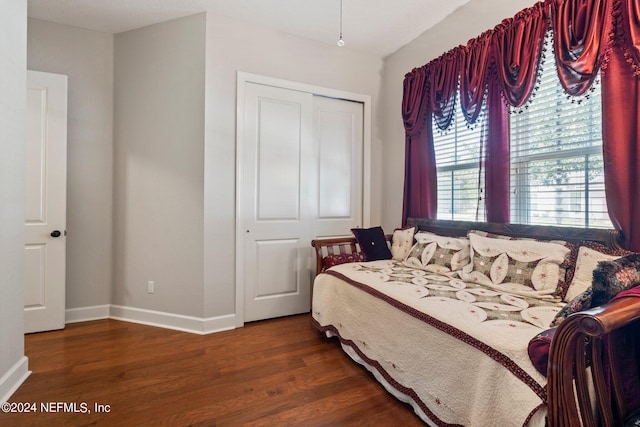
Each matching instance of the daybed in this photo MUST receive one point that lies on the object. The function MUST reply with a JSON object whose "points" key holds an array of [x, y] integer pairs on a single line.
{"points": [[458, 350]]}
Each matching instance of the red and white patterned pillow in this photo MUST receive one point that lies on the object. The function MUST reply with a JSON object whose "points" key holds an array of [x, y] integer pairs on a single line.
{"points": [[331, 260]]}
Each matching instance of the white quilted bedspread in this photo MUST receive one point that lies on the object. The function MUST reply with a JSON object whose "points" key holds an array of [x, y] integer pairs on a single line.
{"points": [[459, 350]]}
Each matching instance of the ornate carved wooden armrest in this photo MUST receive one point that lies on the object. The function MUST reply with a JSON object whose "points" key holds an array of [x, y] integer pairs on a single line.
{"points": [[579, 344]]}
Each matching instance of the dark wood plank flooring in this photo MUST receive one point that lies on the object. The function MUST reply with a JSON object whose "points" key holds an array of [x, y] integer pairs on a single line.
{"points": [[280, 372]]}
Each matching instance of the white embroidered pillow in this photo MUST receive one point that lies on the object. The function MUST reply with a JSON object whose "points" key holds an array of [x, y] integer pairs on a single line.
{"points": [[401, 242], [526, 267], [438, 254], [566, 269], [588, 259]]}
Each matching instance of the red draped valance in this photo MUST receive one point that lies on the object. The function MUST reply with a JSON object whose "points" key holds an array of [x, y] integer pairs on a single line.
{"points": [[581, 33], [517, 47], [473, 76], [415, 101], [443, 86]]}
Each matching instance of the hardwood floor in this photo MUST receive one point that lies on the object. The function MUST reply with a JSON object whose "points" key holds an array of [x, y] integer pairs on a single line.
{"points": [[279, 372]]}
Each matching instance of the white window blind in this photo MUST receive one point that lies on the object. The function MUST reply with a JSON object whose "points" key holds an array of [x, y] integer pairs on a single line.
{"points": [[458, 152], [556, 157]]}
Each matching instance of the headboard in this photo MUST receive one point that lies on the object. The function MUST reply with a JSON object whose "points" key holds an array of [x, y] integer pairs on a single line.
{"points": [[611, 238], [347, 245]]}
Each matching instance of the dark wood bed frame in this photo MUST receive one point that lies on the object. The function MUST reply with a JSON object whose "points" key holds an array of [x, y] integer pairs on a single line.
{"points": [[578, 344]]}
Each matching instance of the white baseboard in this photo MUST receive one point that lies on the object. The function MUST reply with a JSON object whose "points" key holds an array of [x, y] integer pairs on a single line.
{"points": [[10, 381], [195, 325], [84, 314], [219, 324]]}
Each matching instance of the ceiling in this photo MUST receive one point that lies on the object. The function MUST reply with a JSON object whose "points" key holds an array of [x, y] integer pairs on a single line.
{"points": [[378, 27]]}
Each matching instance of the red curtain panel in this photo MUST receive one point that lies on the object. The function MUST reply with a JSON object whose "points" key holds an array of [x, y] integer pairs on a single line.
{"points": [[420, 159]]}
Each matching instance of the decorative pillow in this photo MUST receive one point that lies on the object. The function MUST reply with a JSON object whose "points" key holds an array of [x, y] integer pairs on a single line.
{"points": [[578, 303], [438, 254], [566, 268], [612, 277], [401, 242], [526, 267], [331, 260], [539, 349], [609, 279], [372, 243], [589, 255]]}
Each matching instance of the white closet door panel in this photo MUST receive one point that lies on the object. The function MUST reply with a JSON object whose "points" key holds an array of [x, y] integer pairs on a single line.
{"points": [[278, 153], [335, 131], [339, 135], [276, 265]]}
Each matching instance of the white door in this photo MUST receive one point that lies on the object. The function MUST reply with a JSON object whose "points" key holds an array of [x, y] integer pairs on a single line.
{"points": [[301, 178], [277, 173], [45, 223], [338, 129]]}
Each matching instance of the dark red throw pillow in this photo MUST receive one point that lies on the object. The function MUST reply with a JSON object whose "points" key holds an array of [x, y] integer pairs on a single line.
{"points": [[539, 350], [372, 243]]}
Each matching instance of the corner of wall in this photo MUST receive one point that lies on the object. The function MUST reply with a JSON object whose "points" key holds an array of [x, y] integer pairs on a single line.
{"points": [[13, 113]]}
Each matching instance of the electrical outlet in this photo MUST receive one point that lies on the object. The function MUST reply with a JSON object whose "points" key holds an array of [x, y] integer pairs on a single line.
{"points": [[151, 287]]}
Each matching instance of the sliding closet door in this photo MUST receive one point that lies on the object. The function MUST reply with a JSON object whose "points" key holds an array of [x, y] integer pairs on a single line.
{"points": [[278, 168], [300, 177], [338, 130]]}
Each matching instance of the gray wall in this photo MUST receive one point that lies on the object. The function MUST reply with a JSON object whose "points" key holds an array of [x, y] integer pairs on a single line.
{"points": [[86, 57], [13, 111], [467, 22], [159, 167]]}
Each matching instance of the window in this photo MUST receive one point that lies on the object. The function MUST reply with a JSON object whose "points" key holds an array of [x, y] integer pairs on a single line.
{"points": [[458, 152], [556, 158], [556, 161]]}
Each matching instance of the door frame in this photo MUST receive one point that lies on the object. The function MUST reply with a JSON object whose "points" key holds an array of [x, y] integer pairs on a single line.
{"points": [[242, 79]]}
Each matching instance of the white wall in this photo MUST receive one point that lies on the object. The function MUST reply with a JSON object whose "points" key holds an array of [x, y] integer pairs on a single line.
{"points": [[465, 23], [159, 167], [86, 57], [13, 111], [236, 46]]}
